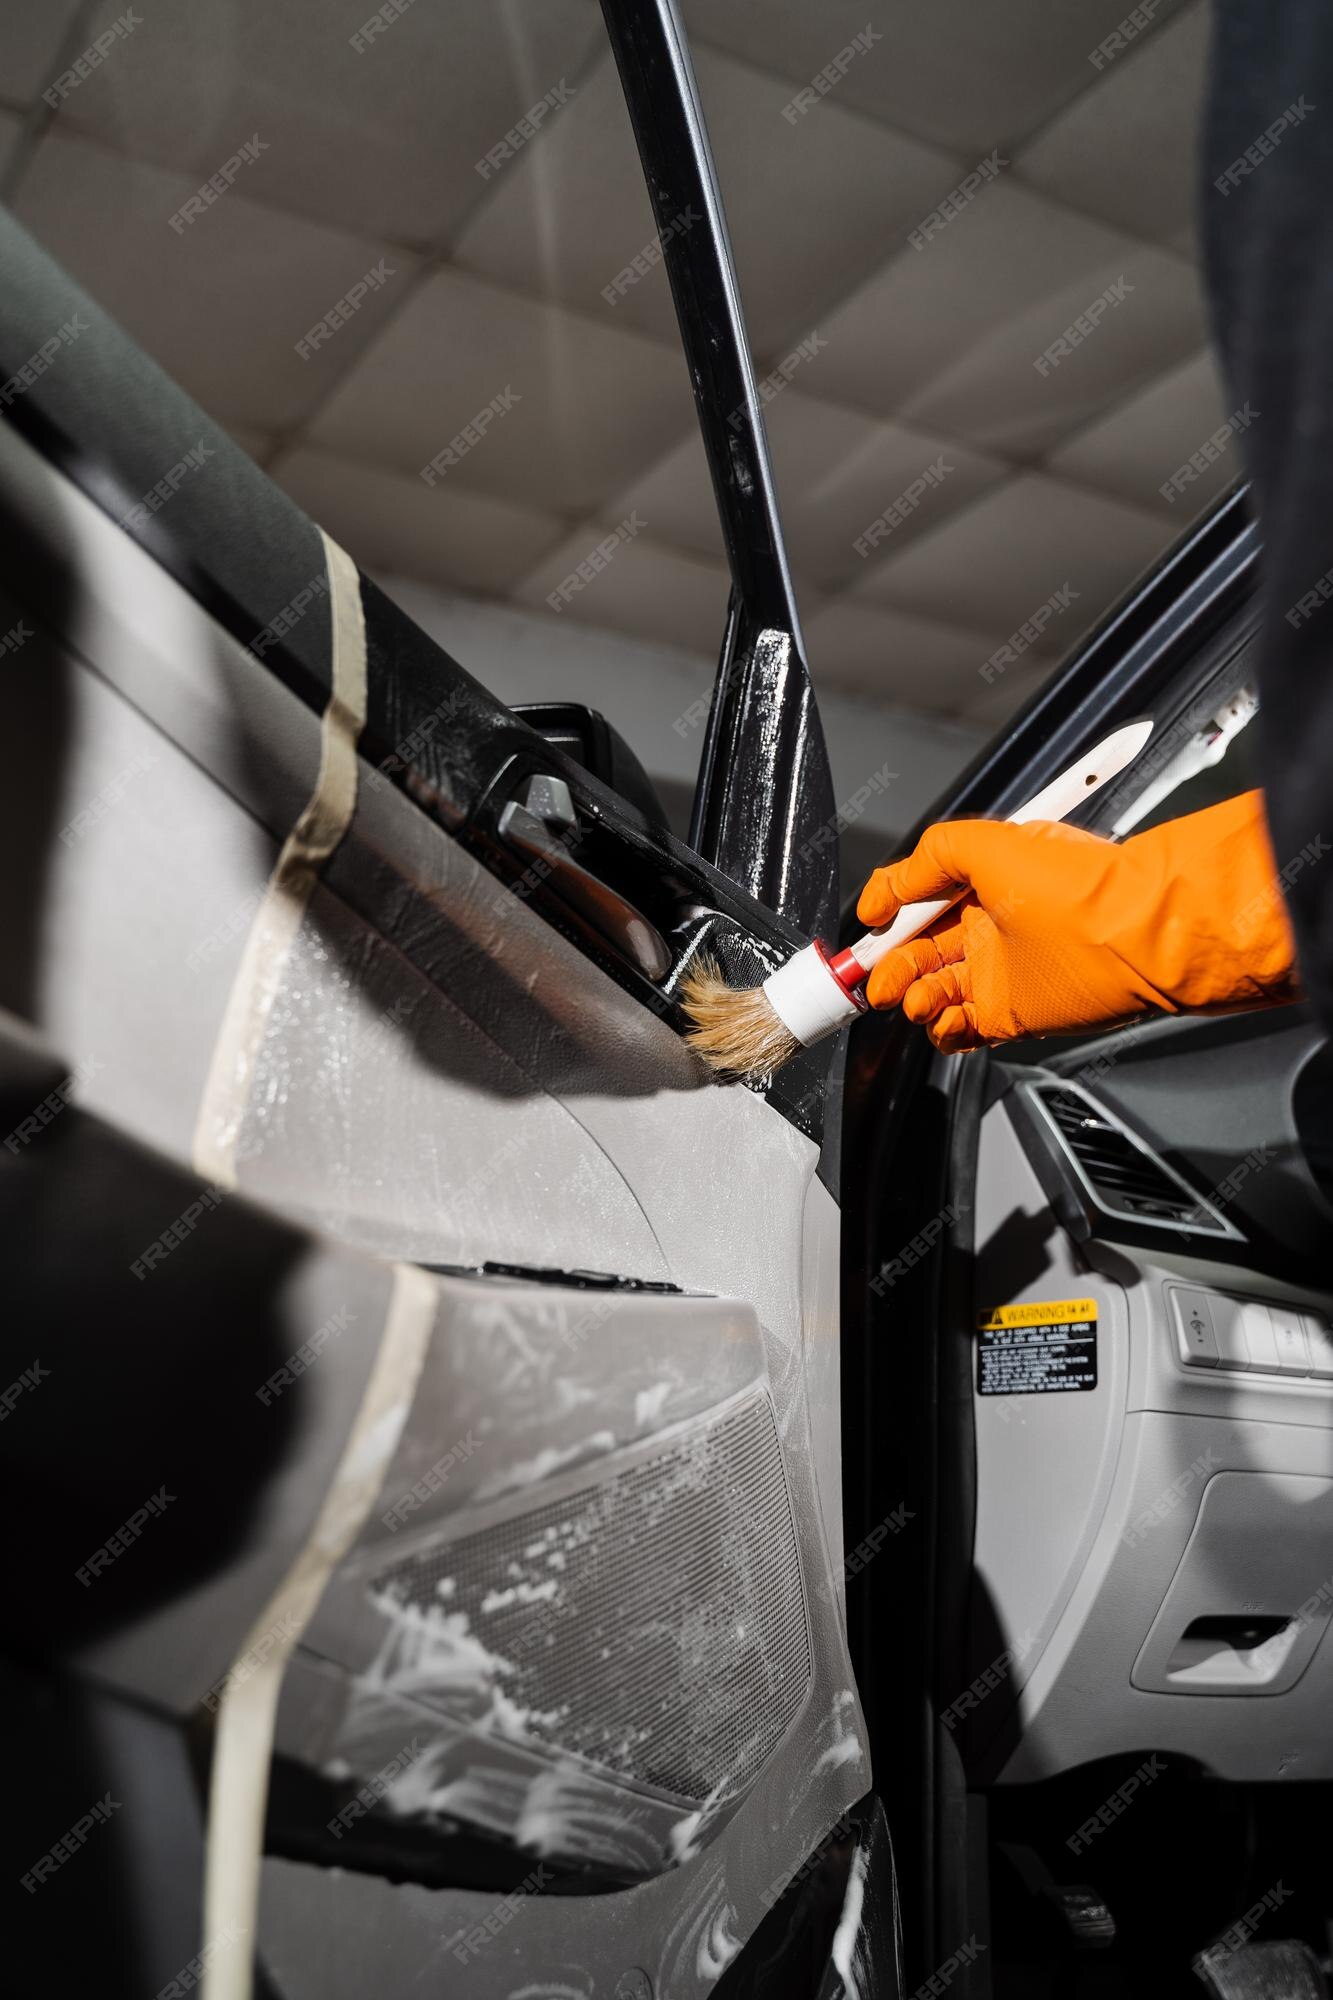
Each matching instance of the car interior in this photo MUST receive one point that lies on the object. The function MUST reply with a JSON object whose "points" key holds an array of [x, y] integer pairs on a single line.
{"points": [[1126, 1292], [615, 1531]]}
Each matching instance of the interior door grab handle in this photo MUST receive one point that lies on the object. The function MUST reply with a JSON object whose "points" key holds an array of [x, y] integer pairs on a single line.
{"points": [[609, 913]]}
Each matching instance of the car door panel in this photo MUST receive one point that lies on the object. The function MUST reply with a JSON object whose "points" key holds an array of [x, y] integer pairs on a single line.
{"points": [[446, 1079], [468, 1008], [626, 1429]]}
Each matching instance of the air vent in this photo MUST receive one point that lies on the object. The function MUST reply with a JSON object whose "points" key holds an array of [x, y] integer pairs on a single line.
{"points": [[1118, 1170]]}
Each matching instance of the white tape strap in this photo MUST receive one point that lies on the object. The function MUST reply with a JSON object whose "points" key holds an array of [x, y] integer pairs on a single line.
{"points": [[243, 1744], [317, 833]]}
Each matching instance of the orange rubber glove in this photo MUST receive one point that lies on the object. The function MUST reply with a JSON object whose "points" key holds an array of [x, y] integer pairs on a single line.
{"points": [[1063, 931]]}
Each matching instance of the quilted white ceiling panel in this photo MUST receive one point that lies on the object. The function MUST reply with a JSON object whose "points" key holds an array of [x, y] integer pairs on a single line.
{"points": [[508, 389]]}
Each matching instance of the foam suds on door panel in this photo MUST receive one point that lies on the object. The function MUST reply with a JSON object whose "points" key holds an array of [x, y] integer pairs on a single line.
{"points": [[315, 836], [379, 1109]]}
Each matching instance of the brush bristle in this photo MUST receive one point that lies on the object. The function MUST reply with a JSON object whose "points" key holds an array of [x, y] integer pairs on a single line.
{"points": [[736, 1032]]}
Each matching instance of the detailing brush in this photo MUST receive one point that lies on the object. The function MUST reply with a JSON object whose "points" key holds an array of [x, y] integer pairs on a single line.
{"points": [[752, 1032]]}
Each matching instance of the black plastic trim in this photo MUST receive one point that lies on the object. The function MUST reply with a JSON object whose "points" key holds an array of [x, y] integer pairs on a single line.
{"points": [[765, 791]]}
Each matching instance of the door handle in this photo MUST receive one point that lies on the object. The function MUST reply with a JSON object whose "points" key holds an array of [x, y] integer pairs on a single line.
{"points": [[544, 838]]}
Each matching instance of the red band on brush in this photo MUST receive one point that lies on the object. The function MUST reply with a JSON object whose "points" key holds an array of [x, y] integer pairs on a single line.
{"points": [[849, 972]]}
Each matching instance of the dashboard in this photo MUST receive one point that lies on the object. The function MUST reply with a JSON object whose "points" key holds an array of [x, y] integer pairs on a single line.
{"points": [[1152, 1404]]}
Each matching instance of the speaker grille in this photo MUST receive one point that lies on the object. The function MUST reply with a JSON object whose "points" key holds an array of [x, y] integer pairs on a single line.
{"points": [[653, 1623]]}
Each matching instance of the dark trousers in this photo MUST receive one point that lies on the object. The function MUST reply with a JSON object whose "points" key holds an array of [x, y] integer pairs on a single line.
{"points": [[1267, 220]]}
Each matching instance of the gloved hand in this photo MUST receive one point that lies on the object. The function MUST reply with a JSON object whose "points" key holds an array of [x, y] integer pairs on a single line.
{"points": [[1063, 931]]}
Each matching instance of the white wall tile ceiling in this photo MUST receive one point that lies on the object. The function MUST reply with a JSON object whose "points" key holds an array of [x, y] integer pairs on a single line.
{"points": [[492, 281]]}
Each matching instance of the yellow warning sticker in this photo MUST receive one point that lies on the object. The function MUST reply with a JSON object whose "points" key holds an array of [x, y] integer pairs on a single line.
{"points": [[1037, 1349], [1053, 1312]]}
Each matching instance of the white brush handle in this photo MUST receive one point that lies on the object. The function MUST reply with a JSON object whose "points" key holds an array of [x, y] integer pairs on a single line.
{"points": [[1059, 798]]}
